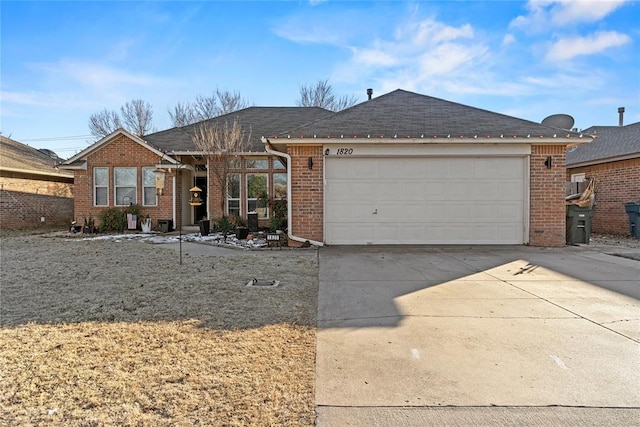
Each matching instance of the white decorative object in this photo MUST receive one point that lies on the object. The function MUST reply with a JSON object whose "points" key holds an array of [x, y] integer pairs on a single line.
{"points": [[145, 224]]}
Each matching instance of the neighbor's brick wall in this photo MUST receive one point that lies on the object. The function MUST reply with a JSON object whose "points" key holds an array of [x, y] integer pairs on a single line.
{"points": [[25, 210], [307, 192], [616, 184], [547, 220], [121, 152], [37, 186]]}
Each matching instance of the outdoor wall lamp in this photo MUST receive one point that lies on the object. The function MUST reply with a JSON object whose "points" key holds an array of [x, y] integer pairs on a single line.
{"points": [[548, 163], [310, 162], [160, 174], [326, 152], [195, 199]]}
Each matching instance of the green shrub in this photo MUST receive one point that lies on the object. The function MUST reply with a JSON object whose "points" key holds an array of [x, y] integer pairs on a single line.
{"points": [[115, 219]]}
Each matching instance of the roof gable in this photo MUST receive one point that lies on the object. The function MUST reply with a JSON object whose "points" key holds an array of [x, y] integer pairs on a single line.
{"points": [[404, 113], [610, 142], [79, 159], [255, 121]]}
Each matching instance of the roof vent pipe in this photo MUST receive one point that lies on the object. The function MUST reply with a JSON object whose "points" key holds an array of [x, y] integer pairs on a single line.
{"points": [[369, 93], [620, 116]]}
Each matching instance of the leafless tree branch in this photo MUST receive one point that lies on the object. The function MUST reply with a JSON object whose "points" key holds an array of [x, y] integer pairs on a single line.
{"points": [[104, 123]]}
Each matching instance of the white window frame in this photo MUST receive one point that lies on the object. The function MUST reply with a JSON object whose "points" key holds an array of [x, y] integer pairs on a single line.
{"points": [[96, 186], [578, 177], [116, 186], [145, 188], [263, 210], [234, 199]]}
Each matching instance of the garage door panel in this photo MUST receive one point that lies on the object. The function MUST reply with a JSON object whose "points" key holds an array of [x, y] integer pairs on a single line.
{"points": [[425, 200]]}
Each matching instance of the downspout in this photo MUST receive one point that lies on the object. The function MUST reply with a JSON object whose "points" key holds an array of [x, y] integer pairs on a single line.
{"points": [[269, 149], [175, 201]]}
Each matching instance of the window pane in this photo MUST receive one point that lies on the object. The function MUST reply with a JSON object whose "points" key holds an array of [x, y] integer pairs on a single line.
{"points": [[125, 195], [101, 196], [100, 176], [234, 163], [277, 164], [233, 186], [257, 163], [234, 207], [280, 185], [256, 184], [125, 176], [148, 177], [149, 196]]}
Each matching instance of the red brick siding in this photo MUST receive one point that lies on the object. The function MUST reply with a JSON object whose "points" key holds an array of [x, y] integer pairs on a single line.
{"points": [[307, 192], [121, 152], [547, 221], [33, 185], [616, 184], [26, 210]]}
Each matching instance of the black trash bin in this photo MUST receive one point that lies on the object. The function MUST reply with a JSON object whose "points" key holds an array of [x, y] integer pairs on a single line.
{"points": [[166, 225], [252, 221], [633, 211], [205, 227], [578, 224]]}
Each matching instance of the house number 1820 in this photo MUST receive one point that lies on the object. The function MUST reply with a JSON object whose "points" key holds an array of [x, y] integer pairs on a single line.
{"points": [[344, 151]]}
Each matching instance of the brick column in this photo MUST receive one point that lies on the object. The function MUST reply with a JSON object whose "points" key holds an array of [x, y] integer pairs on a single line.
{"points": [[307, 192], [547, 221]]}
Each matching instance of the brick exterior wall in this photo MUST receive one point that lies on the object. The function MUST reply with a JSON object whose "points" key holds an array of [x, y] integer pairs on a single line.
{"points": [[20, 210], [547, 217], [616, 184], [120, 152], [307, 192]]}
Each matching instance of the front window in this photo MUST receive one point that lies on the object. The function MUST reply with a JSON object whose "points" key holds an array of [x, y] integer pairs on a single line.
{"points": [[125, 181], [101, 186], [277, 164], [280, 186], [233, 194], [257, 163], [149, 193], [257, 189]]}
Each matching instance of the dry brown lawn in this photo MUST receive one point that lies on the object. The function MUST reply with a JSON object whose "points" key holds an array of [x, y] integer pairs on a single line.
{"points": [[106, 333]]}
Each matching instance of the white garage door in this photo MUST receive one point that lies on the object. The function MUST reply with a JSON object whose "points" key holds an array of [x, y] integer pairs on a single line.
{"points": [[441, 200]]}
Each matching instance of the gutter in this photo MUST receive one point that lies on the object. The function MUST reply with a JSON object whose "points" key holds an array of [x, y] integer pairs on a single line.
{"points": [[269, 149]]}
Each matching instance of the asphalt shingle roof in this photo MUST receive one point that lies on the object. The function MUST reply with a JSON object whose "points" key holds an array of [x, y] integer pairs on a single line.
{"points": [[610, 142], [18, 156], [404, 113], [259, 121]]}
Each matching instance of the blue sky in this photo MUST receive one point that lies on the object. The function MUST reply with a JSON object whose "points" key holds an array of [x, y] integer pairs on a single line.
{"points": [[63, 61]]}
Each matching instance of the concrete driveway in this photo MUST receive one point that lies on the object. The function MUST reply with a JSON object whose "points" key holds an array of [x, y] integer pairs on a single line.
{"points": [[477, 336]]}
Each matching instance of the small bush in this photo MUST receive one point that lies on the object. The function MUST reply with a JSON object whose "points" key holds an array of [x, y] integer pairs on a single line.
{"points": [[115, 219]]}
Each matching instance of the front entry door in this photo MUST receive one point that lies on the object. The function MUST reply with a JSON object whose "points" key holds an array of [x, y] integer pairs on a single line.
{"points": [[200, 212]]}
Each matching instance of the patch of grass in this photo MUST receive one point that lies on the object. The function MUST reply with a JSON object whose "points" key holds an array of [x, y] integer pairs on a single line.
{"points": [[99, 333]]}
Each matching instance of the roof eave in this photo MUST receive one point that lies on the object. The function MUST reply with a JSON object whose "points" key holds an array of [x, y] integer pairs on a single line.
{"points": [[603, 160]]}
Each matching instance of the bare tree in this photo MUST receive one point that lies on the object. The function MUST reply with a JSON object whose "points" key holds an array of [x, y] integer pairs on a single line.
{"points": [[182, 115], [137, 116], [221, 143], [321, 95], [207, 107], [229, 101], [104, 123]]}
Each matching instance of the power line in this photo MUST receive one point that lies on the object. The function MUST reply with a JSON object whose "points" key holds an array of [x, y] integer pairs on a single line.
{"points": [[57, 138]]}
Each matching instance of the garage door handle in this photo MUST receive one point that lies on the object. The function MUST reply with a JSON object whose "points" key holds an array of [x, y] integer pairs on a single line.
{"points": [[375, 212]]}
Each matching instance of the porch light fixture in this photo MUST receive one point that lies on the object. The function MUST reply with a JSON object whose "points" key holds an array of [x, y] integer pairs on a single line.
{"points": [[160, 174], [310, 162], [548, 162], [195, 199]]}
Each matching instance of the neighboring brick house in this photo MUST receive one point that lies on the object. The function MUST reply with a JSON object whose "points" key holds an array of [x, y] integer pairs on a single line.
{"points": [[33, 191], [613, 160], [402, 168]]}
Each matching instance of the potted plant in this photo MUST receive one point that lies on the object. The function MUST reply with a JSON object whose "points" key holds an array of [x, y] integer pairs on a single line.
{"points": [[145, 224]]}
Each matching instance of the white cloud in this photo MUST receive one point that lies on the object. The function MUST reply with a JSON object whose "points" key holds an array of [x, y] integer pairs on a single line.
{"points": [[568, 48], [543, 14], [508, 40]]}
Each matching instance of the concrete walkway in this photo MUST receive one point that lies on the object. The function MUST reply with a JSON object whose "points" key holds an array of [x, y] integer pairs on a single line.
{"points": [[477, 336]]}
